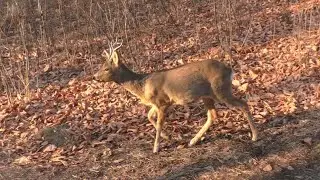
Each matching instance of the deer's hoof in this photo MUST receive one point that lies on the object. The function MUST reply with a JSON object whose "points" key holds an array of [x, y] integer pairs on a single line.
{"points": [[192, 142], [156, 149], [254, 137]]}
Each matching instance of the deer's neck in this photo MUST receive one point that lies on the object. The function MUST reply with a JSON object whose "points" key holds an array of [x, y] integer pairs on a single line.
{"points": [[131, 81]]}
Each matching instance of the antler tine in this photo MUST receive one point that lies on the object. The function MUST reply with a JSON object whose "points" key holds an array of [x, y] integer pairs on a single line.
{"points": [[117, 44], [110, 48], [114, 46]]}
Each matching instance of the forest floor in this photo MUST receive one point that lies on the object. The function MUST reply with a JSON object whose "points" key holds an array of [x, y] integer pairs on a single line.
{"points": [[76, 128]]}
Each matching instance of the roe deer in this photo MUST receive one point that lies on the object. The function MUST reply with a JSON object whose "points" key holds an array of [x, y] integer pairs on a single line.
{"points": [[208, 80]]}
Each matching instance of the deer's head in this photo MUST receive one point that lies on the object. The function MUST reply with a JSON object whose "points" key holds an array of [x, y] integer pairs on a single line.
{"points": [[112, 67]]}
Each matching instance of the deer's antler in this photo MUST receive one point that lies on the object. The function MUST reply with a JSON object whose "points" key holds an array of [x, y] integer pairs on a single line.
{"points": [[114, 46]]}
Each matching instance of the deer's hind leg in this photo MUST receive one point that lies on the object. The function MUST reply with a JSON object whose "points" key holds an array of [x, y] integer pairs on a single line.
{"points": [[224, 94], [238, 103], [211, 115]]}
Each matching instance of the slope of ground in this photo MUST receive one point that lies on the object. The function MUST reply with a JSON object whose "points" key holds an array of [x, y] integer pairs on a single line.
{"points": [[76, 128]]}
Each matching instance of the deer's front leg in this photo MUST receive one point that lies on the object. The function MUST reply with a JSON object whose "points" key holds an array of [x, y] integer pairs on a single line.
{"points": [[151, 114], [160, 121]]}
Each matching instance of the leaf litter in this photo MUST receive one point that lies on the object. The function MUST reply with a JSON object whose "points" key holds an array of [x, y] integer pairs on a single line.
{"points": [[69, 124]]}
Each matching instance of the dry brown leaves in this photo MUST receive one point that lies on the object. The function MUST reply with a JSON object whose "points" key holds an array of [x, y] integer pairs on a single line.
{"points": [[278, 77]]}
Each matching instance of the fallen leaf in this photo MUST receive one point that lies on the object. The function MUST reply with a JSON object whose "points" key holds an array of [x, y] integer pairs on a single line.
{"points": [[229, 125], [112, 137], [72, 82], [236, 83], [23, 160], [96, 143], [257, 116], [180, 61], [59, 159], [267, 168], [50, 148], [315, 48], [226, 149], [264, 51], [95, 169], [47, 68], [290, 168], [263, 113], [186, 115], [243, 87], [74, 148], [180, 147], [132, 130], [3, 115], [308, 141], [253, 75], [23, 135], [118, 161], [268, 95], [299, 177]]}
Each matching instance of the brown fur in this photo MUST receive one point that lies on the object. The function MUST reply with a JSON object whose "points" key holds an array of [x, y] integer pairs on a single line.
{"points": [[208, 80]]}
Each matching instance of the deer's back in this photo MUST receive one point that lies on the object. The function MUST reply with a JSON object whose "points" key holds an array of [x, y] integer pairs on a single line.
{"points": [[186, 83]]}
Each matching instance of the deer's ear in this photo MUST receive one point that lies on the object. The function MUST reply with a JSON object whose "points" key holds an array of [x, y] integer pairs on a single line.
{"points": [[114, 58], [106, 55]]}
